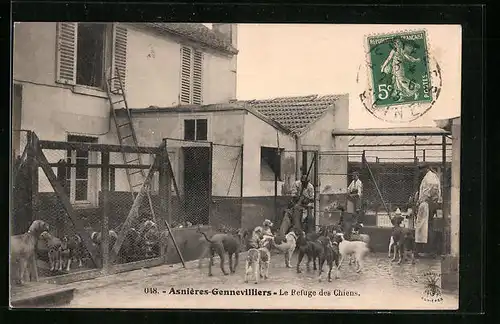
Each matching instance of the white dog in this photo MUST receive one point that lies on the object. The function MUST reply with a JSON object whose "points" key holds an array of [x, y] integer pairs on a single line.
{"points": [[348, 248], [288, 247], [265, 256], [252, 265]]}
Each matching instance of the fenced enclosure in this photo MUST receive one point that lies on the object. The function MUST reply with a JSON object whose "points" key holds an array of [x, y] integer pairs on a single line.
{"points": [[118, 202], [107, 206], [209, 180]]}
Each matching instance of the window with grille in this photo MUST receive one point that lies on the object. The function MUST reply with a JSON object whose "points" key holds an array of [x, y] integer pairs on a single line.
{"points": [[191, 88]]}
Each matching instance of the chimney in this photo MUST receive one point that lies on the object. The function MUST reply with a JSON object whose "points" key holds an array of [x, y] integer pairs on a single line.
{"points": [[229, 31]]}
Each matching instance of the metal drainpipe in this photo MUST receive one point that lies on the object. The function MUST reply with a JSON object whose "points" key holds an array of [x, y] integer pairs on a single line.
{"points": [[297, 157]]}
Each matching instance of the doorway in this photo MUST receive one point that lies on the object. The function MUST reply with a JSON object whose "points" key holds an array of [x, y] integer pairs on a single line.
{"points": [[197, 184]]}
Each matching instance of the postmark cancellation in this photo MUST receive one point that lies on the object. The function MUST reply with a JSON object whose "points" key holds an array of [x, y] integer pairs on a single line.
{"points": [[401, 80]]}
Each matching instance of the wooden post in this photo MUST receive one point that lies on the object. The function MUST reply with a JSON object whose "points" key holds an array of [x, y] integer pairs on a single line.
{"points": [[164, 193], [316, 189], [32, 175], [105, 211], [241, 187], [210, 179], [444, 194], [167, 186]]}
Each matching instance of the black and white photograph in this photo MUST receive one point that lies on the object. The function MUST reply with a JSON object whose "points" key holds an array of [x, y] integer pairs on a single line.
{"points": [[185, 165]]}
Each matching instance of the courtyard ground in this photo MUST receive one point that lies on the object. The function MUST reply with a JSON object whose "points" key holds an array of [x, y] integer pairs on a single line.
{"points": [[381, 285]]}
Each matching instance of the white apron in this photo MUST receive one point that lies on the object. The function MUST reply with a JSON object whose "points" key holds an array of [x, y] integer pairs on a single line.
{"points": [[422, 223]]}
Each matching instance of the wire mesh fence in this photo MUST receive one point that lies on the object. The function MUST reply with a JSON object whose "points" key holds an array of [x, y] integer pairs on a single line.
{"points": [[102, 206], [390, 176], [227, 187]]}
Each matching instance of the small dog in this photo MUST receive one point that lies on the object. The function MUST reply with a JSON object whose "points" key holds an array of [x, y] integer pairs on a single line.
{"points": [[149, 236], [252, 265], [221, 244], [76, 248], [356, 236], [312, 249], [396, 233], [22, 251], [96, 238], [346, 248], [54, 245], [288, 247], [405, 242], [330, 255], [65, 253], [265, 256]]}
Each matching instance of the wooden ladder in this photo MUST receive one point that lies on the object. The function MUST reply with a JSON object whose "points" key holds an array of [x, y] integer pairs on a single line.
{"points": [[127, 137]]}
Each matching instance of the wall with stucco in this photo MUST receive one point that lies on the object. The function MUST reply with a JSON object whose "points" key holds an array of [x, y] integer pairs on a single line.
{"points": [[54, 110], [258, 133]]}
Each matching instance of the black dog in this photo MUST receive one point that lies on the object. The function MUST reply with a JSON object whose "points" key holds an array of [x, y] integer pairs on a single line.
{"points": [[310, 247], [330, 254]]}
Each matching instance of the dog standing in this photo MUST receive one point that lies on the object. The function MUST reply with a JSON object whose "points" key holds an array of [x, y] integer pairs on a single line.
{"points": [[265, 256], [252, 265], [309, 248], [346, 248], [330, 255], [256, 237], [75, 244], [221, 244], [22, 251], [288, 247], [65, 254], [54, 245], [396, 221], [405, 242]]}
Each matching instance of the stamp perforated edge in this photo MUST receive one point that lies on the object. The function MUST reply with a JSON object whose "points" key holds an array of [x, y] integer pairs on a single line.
{"points": [[368, 61]]}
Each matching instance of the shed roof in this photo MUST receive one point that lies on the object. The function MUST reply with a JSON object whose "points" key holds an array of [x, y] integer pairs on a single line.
{"points": [[196, 32], [395, 136], [295, 113]]}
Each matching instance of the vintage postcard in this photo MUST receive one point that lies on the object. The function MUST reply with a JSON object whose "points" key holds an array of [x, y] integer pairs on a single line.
{"points": [[235, 166]]}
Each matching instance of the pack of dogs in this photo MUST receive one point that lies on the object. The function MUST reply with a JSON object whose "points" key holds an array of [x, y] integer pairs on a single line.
{"points": [[329, 245], [62, 252]]}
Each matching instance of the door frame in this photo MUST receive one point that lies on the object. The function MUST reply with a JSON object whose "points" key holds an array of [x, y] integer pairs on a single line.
{"points": [[209, 146]]}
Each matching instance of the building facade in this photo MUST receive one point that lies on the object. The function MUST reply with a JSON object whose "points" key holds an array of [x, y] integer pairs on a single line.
{"points": [[60, 72]]}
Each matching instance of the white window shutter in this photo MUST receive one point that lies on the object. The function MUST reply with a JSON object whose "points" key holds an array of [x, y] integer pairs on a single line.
{"points": [[185, 91], [119, 63], [67, 34], [197, 78]]}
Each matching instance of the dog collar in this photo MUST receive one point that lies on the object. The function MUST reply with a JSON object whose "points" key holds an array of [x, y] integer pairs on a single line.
{"points": [[336, 243]]}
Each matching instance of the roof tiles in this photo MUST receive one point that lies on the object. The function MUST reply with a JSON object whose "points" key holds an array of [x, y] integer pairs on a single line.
{"points": [[295, 113], [198, 33]]}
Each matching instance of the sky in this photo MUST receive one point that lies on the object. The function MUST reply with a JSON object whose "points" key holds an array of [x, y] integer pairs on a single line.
{"points": [[288, 60]]}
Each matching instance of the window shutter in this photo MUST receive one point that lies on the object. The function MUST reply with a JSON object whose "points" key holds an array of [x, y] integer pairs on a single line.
{"points": [[66, 52], [119, 56], [185, 91], [198, 78]]}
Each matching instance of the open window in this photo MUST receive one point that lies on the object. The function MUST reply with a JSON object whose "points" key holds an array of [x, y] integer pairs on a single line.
{"points": [[86, 51], [271, 160]]}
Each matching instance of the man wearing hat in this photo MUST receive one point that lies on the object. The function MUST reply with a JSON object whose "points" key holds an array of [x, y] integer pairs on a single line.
{"points": [[429, 197], [355, 192], [303, 194]]}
